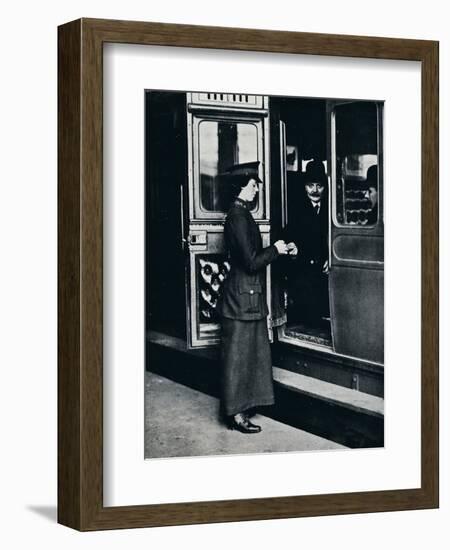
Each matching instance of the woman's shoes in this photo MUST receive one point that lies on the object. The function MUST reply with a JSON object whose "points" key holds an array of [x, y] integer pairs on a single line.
{"points": [[242, 423]]}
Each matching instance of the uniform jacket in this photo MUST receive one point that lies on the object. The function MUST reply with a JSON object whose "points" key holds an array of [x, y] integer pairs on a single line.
{"points": [[244, 291]]}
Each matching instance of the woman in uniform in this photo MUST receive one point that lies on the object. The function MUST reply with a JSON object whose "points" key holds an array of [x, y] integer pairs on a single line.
{"points": [[246, 359]]}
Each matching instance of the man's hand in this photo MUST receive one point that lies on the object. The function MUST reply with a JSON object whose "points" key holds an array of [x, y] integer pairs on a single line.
{"points": [[292, 249], [325, 267], [281, 247]]}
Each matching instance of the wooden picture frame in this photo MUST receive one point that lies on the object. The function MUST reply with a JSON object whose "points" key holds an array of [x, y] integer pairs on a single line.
{"points": [[80, 271]]}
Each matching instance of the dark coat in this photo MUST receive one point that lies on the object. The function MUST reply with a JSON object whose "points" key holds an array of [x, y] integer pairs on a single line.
{"points": [[372, 216], [307, 285], [246, 380], [309, 231], [244, 292]]}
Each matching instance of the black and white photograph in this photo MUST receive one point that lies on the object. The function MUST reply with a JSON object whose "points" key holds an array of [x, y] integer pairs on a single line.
{"points": [[264, 274], [225, 266]]}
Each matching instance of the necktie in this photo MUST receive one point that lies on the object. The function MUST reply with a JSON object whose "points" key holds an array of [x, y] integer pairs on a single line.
{"points": [[316, 208]]}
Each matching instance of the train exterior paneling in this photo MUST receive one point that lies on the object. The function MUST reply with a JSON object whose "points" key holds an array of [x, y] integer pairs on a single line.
{"points": [[363, 330]]}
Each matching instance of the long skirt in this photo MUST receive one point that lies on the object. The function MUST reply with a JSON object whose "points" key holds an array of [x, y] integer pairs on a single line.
{"points": [[247, 380]]}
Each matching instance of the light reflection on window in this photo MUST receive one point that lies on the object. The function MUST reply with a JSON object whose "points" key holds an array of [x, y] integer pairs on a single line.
{"points": [[221, 145]]}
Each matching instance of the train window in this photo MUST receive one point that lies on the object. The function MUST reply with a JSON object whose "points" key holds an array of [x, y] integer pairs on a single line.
{"points": [[221, 145], [357, 159]]}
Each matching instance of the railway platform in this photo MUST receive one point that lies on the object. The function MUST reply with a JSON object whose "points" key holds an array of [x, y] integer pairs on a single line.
{"points": [[335, 414], [182, 422]]}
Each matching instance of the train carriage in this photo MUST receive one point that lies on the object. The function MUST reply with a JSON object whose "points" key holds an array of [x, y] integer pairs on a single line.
{"points": [[191, 139]]}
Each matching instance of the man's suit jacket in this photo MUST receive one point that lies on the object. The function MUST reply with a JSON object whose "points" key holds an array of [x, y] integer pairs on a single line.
{"points": [[244, 291], [307, 285], [309, 231]]}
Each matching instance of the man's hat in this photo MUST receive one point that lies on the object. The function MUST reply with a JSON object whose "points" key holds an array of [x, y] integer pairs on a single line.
{"points": [[248, 170], [372, 176], [315, 173]]}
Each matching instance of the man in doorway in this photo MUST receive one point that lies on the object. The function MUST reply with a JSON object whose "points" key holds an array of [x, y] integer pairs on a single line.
{"points": [[307, 233]]}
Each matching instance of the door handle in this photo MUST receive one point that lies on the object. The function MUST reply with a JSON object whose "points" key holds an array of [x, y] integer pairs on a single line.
{"points": [[197, 240]]}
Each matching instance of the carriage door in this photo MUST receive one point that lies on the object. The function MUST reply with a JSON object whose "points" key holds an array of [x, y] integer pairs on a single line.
{"points": [[356, 237], [223, 130]]}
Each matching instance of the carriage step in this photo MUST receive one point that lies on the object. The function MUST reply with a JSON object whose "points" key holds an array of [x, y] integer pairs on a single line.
{"points": [[330, 393]]}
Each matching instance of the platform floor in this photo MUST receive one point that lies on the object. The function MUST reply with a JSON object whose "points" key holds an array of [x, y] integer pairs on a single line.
{"points": [[180, 421]]}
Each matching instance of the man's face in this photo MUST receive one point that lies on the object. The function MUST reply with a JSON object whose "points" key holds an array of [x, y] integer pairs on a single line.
{"points": [[314, 190], [372, 195]]}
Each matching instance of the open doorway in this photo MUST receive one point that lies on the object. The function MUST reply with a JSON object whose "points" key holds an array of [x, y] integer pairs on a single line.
{"points": [[303, 293]]}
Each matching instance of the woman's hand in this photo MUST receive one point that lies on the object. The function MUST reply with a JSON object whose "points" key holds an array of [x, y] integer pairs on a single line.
{"points": [[281, 246]]}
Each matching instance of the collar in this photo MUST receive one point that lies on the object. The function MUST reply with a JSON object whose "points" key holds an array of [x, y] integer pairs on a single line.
{"points": [[241, 203], [314, 204]]}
